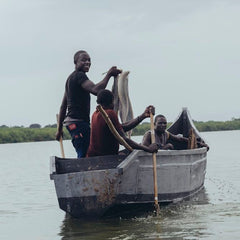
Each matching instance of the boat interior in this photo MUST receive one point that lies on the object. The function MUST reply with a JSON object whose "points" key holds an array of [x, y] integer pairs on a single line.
{"points": [[183, 126], [68, 165]]}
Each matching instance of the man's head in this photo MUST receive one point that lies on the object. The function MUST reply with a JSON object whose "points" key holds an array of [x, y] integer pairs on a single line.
{"points": [[105, 98], [82, 61], [160, 123]]}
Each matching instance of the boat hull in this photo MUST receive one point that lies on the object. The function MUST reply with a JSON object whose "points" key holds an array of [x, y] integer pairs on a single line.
{"points": [[94, 186]]}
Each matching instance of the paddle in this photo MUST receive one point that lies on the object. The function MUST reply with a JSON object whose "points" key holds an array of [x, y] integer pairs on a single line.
{"points": [[60, 140], [157, 208]]}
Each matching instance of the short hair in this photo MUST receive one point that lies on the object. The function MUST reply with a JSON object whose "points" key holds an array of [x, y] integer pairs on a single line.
{"points": [[76, 55], [105, 97], [158, 116]]}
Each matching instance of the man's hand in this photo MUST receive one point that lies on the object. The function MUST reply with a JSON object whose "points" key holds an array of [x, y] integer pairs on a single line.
{"points": [[153, 148], [148, 110], [58, 135], [202, 144], [114, 71]]}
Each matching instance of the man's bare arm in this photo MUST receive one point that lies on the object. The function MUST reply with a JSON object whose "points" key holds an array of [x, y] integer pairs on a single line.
{"points": [[89, 86], [62, 114], [150, 148], [134, 122], [147, 139]]}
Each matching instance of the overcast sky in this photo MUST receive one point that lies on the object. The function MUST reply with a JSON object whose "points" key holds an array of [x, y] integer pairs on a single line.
{"points": [[180, 53]]}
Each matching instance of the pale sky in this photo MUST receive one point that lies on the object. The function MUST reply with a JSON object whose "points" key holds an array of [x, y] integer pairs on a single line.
{"points": [[180, 53]]}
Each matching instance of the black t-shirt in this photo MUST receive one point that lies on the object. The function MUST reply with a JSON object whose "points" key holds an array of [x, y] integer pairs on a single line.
{"points": [[78, 99]]}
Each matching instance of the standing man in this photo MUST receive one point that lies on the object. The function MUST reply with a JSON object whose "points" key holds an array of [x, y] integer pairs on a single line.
{"points": [[75, 108]]}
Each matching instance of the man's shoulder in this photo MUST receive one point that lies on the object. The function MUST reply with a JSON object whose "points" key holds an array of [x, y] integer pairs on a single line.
{"points": [[147, 134], [111, 111], [168, 134], [112, 114], [81, 74], [78, 76]]}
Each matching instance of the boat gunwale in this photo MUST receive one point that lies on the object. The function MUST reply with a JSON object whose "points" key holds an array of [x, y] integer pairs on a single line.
{"points": [[129, 160], [140, 153]]}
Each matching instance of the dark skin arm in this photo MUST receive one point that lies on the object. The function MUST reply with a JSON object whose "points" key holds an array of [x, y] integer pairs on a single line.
{"points": [[184, 139], [151, 148], [146, 139], [62, 114], [89, 86], [177, 138], [134, 122]]}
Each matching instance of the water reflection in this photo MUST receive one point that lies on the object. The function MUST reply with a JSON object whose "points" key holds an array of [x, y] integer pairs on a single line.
{"points": [[176, 221]]}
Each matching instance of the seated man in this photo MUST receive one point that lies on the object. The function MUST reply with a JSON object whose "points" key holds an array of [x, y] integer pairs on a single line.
{"points": [[102, 141], [163, 137]]}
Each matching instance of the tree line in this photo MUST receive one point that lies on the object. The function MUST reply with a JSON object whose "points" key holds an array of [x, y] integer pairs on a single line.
{"points": [[30, 134], [35, 132], [208, 126]]}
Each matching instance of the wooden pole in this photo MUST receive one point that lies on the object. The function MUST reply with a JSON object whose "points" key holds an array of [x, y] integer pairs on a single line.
{"points": [[192, 142], [112, 128], [157, 208], [60, 140]]}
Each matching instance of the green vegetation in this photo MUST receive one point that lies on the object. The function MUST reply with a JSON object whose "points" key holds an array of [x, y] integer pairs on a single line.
{"points": [[21, 134], [208, 126], [234, 124], [36, 133]]}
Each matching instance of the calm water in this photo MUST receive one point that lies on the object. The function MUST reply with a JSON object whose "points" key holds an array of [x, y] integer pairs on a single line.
{"points": [[29, 208]]}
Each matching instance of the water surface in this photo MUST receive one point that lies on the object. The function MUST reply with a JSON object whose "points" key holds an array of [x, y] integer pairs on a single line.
{"points": [[29, 208]]}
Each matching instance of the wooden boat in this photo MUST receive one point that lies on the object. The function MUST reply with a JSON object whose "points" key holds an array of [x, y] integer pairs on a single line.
{"points": [[97, 186]]}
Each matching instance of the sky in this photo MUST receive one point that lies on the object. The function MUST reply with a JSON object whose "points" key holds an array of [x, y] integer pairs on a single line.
{"points": [[180, 53]]}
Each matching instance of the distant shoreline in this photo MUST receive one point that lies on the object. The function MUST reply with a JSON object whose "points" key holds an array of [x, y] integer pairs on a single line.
{"points": [[36, 133]]}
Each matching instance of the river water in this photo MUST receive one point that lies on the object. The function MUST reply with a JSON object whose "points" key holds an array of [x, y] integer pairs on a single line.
{"points": [[29, 208]]}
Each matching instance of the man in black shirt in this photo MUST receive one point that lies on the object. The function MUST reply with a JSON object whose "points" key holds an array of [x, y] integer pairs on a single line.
{"points": [[75, 108]]}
